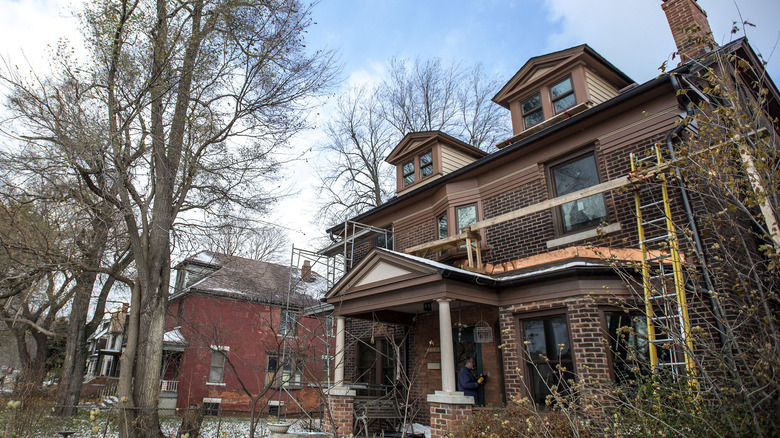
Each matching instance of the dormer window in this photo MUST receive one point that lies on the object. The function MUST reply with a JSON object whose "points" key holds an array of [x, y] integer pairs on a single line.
{"points": [[532, 110], [426, 164], [562, 95], [408, 171]]}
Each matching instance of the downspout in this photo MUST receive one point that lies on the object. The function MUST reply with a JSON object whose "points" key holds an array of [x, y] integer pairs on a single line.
{"points": [[714, 302]]}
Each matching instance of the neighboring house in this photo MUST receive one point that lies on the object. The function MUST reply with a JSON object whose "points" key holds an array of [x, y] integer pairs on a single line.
{"points": [[238, 325], [533, 275], [104, 347]]}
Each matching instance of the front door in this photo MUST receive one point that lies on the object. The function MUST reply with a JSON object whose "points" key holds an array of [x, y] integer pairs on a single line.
{"points": [[465, 347]]}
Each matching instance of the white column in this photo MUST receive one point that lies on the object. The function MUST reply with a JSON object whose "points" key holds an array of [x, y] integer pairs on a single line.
{"points": [[338, 378], [447, 353]]}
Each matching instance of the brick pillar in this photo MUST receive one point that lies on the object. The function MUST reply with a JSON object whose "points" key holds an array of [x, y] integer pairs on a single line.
{"points": [[446, 417], [341, 402]]}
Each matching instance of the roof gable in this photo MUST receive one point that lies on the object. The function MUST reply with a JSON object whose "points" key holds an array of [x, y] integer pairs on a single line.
{"points": [[417, 141], [539, 68], [380, 268]]}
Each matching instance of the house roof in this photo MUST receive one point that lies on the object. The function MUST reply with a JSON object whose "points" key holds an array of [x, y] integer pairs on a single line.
{"points": [[509, 147], [242, 278]]}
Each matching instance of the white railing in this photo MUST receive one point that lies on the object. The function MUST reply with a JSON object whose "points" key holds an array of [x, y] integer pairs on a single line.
{"points": [[169, 385]]}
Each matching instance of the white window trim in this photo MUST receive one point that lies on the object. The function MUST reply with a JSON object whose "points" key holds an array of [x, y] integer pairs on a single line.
{"points": [[211, 400], [220, 347]]}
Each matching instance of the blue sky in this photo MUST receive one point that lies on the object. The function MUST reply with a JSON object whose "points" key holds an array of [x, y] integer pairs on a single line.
{"points": [[502, 34]]}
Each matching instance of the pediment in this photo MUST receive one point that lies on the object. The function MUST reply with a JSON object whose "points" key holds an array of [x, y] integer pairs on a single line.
{"points": [[378, 270], [415, 142], [384, 272]]}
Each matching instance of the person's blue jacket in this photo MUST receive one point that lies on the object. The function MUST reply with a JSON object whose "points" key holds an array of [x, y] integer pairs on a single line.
{"points": [[468, 383]]}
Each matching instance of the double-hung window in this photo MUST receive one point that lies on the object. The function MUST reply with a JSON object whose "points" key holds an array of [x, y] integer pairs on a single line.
{"points": [[532, 110], [562, 95], [408, 173], [426, 164], [571, 176], [549, 364], [217, 365], [288, 320]]}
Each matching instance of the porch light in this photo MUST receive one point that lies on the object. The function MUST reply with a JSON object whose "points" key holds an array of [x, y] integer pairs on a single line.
{"points": [[483, 333]]}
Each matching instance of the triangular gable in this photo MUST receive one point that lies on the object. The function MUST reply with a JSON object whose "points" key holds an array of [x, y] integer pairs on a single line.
{"points": [[541, 66], [416, 141], [533, 69], [380, 268]]}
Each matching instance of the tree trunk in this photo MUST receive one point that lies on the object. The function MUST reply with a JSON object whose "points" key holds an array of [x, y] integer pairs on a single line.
{"points": [[75, 350]]}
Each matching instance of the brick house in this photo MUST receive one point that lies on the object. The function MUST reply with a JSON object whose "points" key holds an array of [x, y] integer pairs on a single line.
{"points": [[510, 255], [236, 325]]}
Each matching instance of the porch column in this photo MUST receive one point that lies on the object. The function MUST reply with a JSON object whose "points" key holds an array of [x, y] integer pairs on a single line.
{"points": [[338, 377], [447, 353]]}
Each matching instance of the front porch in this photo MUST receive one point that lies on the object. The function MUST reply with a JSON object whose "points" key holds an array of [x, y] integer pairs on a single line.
{"points": [[439, 318]]}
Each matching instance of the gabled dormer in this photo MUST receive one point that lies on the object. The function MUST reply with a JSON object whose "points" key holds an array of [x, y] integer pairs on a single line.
{"points": [[553, 87], [422, 157]]}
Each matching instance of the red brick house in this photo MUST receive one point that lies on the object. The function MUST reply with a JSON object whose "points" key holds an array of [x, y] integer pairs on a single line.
{"points": [[238, 325], [510, 255]]}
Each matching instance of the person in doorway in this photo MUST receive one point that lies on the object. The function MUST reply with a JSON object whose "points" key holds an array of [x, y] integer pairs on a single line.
{"points": [[467, 381]]}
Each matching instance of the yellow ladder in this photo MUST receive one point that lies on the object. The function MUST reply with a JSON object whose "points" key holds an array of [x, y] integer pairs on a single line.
{"points": [[663, 279]]}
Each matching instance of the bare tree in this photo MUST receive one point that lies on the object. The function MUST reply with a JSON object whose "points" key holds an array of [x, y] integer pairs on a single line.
{"points": [[355, 176], [425, 95], [193, 98], [419, 95]]}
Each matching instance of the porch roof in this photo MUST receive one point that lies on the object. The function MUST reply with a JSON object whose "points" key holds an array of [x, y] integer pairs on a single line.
{"points": [[393, 286]]}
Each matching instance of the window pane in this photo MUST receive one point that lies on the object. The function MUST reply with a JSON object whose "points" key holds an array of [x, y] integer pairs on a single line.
{"points": [[582, 213], [426, 158], [532, 103], [560, 88], [466, 216], [442, 226], [533, 118], [563, 103], [627, 337], [536, 343], [576, 175], [217, 369], [408, 179], [426, 170], [408, 168]]}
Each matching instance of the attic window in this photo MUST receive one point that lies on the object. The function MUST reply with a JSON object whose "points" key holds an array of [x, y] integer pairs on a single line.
{"points": [[532, 110], [426, 164], [562, 95], [408, 171]]}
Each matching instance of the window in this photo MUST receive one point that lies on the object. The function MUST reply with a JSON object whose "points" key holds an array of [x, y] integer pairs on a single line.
{"points": [[408, 173], [211, 406], [629, 348], [426, 164], [574, 175], [562, 95], [532, 110], [549, 362], [376, 364], [217, 369], [287, 323], [466, 216], [281, 371]]}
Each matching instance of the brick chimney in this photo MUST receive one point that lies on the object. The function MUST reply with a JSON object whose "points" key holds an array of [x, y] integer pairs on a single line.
{"points": [[306, 271], [690, 28]]}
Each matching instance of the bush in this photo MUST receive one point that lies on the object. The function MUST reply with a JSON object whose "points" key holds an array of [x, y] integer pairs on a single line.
{"points": [[520, 418]]}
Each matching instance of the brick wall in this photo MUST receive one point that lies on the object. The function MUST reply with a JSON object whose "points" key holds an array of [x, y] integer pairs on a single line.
{"points": [[591, 363], [342, 409], [445, 418]]}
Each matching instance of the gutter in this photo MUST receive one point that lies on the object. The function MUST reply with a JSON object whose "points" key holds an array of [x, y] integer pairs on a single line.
{"points": [[498, 282]]}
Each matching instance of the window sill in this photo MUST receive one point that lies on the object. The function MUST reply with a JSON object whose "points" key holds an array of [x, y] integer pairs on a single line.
{"points": [[582, 235], [215, 384]]}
